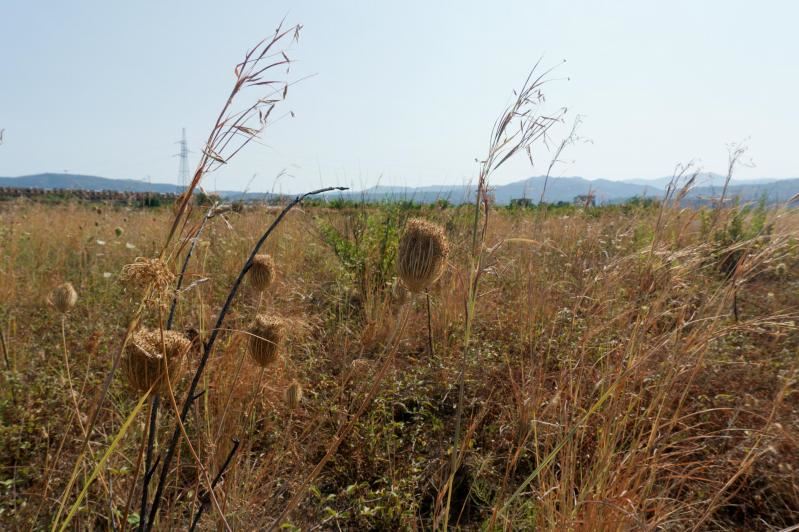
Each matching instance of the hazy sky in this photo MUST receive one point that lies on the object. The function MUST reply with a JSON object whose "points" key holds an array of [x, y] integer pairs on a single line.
{"points": [[402, 92]]}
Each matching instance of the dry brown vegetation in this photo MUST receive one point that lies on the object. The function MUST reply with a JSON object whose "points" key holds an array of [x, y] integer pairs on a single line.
{"points": [[596, 335], [557, 368]]}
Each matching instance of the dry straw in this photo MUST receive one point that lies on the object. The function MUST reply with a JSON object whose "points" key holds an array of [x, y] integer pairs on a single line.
{"points": [[149, 357], [262, 272], [266, 336], [293, 394], [145, 271], [422, 254], [64, 297]]}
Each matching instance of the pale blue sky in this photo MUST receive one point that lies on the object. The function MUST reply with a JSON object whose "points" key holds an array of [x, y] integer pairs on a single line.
{"points": [[403, 90]]}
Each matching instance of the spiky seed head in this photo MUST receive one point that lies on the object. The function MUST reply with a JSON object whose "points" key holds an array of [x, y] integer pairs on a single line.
{"points": [[262, 272], [422, 254], [781, 269], [293, 394], [64, 297], [149, 358], [360, 366], [265, 339]]}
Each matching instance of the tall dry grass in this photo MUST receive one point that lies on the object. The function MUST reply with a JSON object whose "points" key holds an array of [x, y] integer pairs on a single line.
{"points": [[693, 414]]}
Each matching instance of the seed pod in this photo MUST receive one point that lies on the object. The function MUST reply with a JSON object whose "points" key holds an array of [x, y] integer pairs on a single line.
{"points": [[294, 394], [360, 366], [148, 359], [265, 339], [64, 297], [422, 254], [262, 272]]}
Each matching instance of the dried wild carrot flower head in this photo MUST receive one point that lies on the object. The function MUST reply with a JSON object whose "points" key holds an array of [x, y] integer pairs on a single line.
{"points": [[422, 254], [262, 272], [149, 358], [266, 337], [293, 394], [63, 297], [145, 272]]}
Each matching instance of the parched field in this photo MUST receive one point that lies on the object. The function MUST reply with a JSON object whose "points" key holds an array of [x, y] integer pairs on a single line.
{"points": [[626, 367]]}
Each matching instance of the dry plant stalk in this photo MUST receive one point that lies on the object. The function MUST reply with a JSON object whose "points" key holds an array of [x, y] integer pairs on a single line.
{"points": [[236, 127], [516, 131]]}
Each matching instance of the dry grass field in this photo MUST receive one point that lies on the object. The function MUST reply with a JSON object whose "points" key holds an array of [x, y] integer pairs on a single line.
{"points": [[623, 368], [342, 366]]}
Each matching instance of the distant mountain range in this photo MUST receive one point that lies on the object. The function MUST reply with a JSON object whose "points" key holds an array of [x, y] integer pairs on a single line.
{"points": [[85, 182], [557, 188], [604, 190]]}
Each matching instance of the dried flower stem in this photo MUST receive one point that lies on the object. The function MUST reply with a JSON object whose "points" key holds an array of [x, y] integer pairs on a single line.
{"points": [[516, 130], [208, 347]]}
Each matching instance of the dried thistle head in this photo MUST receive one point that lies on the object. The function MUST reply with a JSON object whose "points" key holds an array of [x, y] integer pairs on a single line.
{"points": [[422, 254], [266, 337], [145, 272], [262, 272], [149, 357], [63, 297], [293, 394], [360, 366]]}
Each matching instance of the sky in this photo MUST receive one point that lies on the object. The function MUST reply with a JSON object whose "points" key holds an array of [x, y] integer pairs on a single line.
{"points": [[398, 93]]}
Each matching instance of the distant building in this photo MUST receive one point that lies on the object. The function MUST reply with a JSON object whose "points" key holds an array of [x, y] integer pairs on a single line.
{"points": [[585, 200], [521, 202]]}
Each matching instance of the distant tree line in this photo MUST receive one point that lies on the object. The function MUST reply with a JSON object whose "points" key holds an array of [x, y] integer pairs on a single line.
{"points": [[145, 199]]}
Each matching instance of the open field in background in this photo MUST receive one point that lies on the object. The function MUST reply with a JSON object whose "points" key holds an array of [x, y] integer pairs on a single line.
{"points": [[646, 360]]}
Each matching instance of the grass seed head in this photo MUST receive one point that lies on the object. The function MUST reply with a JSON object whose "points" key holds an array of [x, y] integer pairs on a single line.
{"points": [[293, 394], [266, 337], [262, 272], [422, 254], [148, 359], [64, 297]]}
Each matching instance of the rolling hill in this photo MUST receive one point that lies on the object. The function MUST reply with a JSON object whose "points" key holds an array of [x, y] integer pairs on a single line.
{"points": [[557, 189]]}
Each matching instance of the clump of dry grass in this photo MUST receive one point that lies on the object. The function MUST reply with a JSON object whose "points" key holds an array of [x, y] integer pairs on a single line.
{"points": [[266, 336], [422, 254], [151, 355], [262, 272]]}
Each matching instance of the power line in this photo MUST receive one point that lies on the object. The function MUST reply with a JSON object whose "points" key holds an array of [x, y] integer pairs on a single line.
{"points": [[183, 168]]}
